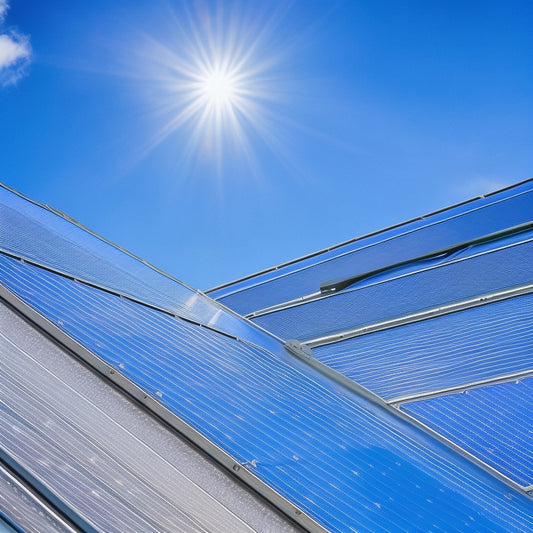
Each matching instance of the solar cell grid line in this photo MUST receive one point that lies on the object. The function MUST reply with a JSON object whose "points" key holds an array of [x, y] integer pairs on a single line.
{"points": [[101, 415], [307, 278], [344, 453], [100, 475], [491, 421], [432, 287], [87, 441], [446, 351], [37, 234]]}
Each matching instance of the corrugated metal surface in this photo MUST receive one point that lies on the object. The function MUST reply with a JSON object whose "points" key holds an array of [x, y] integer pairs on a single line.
{"points": [[343, 460], [447, 351], [469, 221], [494, 422], [102, 459], [25, 510], [433, 286]]}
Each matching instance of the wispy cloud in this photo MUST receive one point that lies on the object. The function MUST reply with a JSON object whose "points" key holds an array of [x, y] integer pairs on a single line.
{"points": [[3, 9], [15, 52], [480, 185]]}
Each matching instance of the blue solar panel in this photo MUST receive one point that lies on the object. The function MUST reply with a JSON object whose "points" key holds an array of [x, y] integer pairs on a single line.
{"points": [[37, 234], [447, 351], [403, 295], [344, 461], [493, 422], [451, 227]]}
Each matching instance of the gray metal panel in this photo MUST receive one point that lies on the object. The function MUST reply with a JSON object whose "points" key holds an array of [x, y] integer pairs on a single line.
{"points": [[104, 457], [26, 510]]}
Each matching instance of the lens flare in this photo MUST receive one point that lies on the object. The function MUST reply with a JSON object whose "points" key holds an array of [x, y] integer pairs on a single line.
{"points": [[214, 83]]}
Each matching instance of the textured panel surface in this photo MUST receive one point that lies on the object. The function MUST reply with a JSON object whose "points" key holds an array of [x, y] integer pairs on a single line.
{"points": [[470, 221], [345, 461], [21, 508], [403, 295], [101, 455], [34, 233], [451, 350], [494, 423]]}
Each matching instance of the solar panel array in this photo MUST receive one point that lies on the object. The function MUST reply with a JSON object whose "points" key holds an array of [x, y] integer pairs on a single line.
{"points": [[432, 317]]}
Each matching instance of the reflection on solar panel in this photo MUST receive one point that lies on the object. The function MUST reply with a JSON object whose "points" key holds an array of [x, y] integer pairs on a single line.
{"points": [[411, 412], [489, 421]]}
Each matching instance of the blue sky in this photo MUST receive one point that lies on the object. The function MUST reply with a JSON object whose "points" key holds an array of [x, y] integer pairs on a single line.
{"points": [[340, 118]]}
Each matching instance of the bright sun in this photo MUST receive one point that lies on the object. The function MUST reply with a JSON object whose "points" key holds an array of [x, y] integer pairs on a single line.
{"points": [[219, 85], [219, 88]]}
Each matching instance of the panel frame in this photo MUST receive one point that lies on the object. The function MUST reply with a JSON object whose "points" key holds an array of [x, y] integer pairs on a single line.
{"points": [[240, 471]]}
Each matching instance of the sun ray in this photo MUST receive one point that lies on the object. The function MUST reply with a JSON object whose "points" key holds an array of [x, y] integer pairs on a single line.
{"points": [[213, 81]]}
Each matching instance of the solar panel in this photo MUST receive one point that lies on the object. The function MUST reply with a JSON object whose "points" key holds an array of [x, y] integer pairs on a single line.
{"points": [[447, 351], [493, 422], [37, 234], [344, 461], [99, 457], [450, 227], [509, 265]]}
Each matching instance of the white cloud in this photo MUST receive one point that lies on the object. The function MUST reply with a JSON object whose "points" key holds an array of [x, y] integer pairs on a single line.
{"points": [[15, 52], [4, 6], [480, 185]]}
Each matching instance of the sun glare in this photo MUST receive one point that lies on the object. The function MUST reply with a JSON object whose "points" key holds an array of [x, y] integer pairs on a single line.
{"points": [[215, 84], [219, 88]]}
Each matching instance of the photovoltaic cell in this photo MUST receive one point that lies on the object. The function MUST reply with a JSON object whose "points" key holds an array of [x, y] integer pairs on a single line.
{"points": [[368, 254], [90, 427], [90, 462], [34, 233], [434, 354], [345, 462], [493, 422], [417, 291]]}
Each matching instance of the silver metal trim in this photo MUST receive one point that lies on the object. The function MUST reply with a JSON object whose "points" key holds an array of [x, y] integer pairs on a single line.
{"points": [[367, 235], [302, 300], [465, 453], [298, 349], [433, 312], [504, 378], [241, 471]]}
